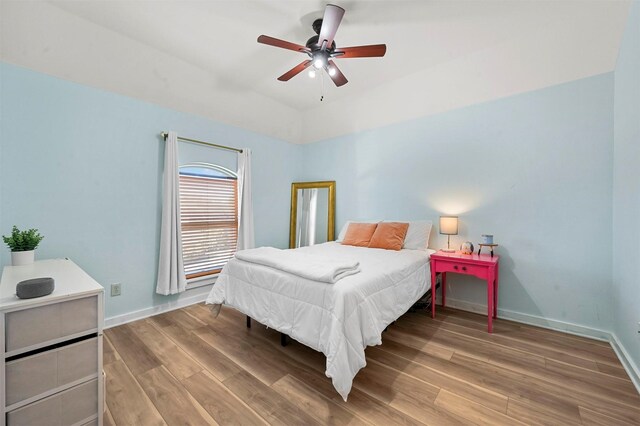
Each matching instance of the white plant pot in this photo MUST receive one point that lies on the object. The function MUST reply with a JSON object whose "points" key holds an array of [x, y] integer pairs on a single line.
{"points": [[19, 258]]}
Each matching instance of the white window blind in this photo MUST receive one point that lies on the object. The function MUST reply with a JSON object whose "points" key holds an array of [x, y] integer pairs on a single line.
{"points": [[209, 220]]}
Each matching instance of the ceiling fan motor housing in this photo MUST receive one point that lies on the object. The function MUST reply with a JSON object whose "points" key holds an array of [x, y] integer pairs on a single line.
{"points": [[317, 25], [312, 44]]}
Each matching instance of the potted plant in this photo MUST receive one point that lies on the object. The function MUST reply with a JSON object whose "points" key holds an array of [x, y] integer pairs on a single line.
{"points": [[22, 245]]}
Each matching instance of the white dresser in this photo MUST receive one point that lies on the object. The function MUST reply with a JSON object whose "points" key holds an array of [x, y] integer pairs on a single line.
{"points": [[51, 372]]}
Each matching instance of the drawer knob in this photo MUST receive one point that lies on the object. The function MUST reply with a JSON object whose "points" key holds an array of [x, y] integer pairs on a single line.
{"points": [[464, 268], [455, 267]]}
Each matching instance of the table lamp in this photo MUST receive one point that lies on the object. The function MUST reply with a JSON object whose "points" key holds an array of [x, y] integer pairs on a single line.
{"points": [[449, 227]]}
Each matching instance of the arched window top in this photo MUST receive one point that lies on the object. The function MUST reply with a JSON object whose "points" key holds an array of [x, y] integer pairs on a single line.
{"points": [[207, 170]]}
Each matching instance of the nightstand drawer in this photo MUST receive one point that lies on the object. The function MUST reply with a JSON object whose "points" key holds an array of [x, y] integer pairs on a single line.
{"points": [[462, 268], [34, 375], [73, 406], [37, 326]]}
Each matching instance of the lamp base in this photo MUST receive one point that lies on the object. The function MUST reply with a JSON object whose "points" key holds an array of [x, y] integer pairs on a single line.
{"points": [[448, 250]]}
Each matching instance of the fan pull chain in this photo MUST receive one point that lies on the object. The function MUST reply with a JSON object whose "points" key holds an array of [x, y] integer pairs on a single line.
{"points": [[321, 86]]}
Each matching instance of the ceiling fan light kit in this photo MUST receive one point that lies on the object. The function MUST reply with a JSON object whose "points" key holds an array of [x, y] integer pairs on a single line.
{"points": [[321, 48]]}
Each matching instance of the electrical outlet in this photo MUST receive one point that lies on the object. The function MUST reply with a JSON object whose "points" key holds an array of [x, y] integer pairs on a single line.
{"points": [[116, 289]]}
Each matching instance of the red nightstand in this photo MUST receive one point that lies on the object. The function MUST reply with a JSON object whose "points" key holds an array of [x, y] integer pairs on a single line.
{"points": [[482, 266]]}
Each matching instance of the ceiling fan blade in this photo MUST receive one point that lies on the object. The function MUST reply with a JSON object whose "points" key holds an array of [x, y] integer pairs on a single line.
{"points": [[330, 21], [295, 70], [283, 44], [374, 50], [338, 78]]}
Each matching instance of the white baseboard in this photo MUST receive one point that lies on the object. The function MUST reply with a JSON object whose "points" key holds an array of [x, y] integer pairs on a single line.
{"points": [[579, 330], [566, 327], [187, 300], [632, 369]]}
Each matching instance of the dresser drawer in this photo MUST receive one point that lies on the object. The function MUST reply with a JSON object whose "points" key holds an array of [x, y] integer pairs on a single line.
{"points": [[39, 325], [31, 376], [73, 406], [463, 268]]}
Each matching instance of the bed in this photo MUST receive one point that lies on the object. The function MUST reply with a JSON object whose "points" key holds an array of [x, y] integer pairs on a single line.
{"points": [[340, 320]]}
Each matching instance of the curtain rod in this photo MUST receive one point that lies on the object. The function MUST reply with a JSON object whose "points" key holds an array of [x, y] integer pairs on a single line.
{"points": [[165, 134]]}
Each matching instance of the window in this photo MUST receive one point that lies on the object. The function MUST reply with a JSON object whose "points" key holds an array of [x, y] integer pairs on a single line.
{"points": [[208, 218]]}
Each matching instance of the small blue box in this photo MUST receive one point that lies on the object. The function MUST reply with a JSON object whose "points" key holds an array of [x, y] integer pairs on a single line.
{"points": [[487, 239]]}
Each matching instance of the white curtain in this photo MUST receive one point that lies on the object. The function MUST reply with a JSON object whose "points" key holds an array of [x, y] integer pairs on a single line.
{"points": [[307, 218], [246, 236], [171, 278]]}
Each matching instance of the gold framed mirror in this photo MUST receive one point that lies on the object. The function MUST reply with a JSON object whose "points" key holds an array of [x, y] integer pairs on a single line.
{"points": [[313, 208]]}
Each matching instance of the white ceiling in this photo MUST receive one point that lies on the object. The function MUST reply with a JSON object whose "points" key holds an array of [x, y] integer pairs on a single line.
{"points": [[202, 57]]}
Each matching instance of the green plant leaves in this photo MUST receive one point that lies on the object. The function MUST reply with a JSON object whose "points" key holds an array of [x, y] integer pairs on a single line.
{"points": [[22, 240]]}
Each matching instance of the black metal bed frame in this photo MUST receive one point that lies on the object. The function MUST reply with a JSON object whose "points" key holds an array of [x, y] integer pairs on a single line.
{"points": [[284, 339]]}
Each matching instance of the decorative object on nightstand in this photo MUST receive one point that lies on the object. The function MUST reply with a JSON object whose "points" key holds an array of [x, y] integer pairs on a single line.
{"points": [[22, 245], [491, 246], [448, 227], [487, 241], [482, 266], [466, 247]]}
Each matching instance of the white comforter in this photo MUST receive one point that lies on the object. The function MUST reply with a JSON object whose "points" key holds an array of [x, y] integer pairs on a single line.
{"points": [[340, 320]]}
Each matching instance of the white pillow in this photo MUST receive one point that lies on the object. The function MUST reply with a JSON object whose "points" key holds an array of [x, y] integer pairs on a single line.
{"points": [[343, 231], [417, 237]]}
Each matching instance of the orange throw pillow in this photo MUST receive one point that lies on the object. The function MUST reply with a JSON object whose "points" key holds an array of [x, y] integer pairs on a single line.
{"points": [[359, 234], [389, 235]]}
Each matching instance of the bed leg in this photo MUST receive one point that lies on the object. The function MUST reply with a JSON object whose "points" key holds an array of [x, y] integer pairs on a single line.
{"points": [[248, 321], [283, 339]]}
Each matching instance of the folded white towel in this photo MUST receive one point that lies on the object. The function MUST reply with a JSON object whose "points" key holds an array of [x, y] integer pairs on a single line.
{"points": [[313, 267]]}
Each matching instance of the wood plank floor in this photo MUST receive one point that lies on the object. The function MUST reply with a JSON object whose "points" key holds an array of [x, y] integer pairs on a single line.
{"points": [[187, 367]]}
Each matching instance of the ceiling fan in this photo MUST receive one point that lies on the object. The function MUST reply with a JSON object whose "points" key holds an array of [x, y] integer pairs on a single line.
{"points": [[322, 49]]}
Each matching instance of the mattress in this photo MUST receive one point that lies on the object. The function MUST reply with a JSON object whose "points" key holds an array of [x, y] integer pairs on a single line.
{"points": [[340, 320]]}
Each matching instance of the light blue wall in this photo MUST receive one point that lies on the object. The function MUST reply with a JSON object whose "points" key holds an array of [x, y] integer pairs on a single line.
{"points": [[626, 189], [84, 166], [535, 170]]}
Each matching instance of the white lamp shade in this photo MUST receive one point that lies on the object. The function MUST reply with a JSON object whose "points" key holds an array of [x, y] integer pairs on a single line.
{"points": [[449, 225]]}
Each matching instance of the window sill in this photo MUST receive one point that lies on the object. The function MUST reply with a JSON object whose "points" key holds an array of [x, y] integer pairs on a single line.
{"points": [[201, 281]]}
